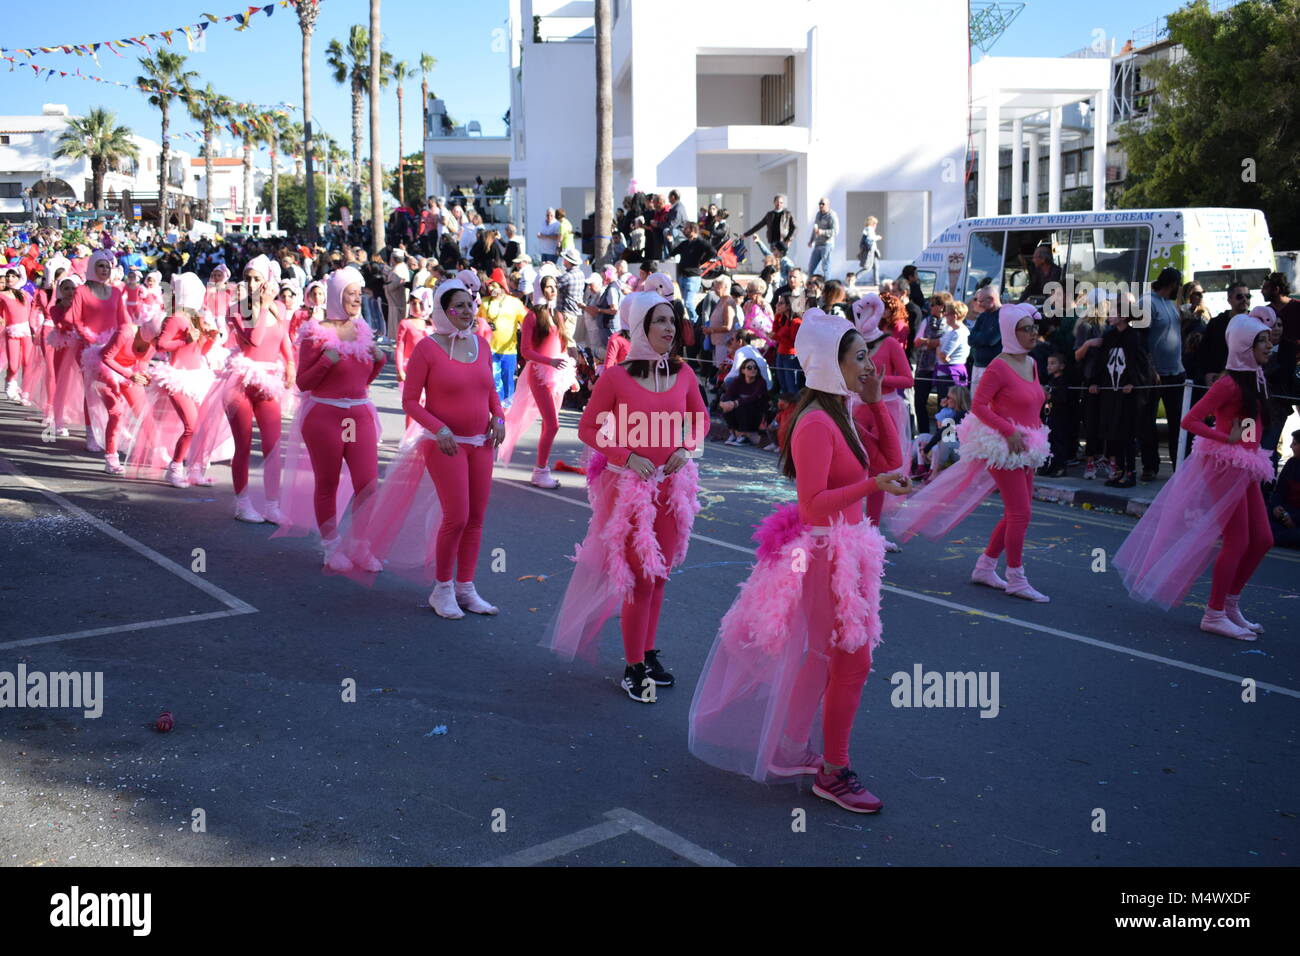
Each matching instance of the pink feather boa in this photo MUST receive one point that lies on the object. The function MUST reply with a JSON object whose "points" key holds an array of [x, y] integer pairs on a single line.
{"points": [[630, 525], [1254, 461], [265, 377], [762, 615], [978, 440], [327, 337]]}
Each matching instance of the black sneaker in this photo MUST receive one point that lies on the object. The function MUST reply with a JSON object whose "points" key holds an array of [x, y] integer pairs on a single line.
{"points": [[1149, 476], [638, 683], [1128, 481], [656, 670]]}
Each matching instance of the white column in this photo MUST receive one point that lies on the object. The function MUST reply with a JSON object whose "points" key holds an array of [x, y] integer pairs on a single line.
{"points": [[988, 198], [1100, 133], [1031, 205], [1017, 159], [1054, 161]]}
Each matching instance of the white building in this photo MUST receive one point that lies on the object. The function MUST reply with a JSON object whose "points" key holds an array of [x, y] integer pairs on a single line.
{"points": [[27, 160], [227, 203], [735, 105]]}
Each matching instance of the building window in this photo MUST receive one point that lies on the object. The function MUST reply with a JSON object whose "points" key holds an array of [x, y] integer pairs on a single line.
{"points": [[777, 96], [4, 140], [11, 190]]}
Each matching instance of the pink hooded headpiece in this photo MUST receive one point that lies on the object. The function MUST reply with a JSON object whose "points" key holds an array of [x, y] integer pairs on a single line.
{"points": [[818, 346], [339, 280], [1009, 316]]}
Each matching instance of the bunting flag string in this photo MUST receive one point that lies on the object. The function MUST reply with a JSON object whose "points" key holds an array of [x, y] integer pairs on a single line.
{"points": [[278, 108], [192, 33]]}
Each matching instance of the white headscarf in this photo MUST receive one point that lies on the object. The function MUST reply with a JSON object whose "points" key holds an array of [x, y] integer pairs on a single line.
{"points": [[639, 306], [442, 322], [1241, 335], [818, 347], [188, 291]]}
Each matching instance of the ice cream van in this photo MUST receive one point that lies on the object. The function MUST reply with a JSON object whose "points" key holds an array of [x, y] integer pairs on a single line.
{"points": [[1131, 246]]}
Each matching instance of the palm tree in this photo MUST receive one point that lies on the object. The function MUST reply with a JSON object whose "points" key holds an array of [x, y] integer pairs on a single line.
{"points": [[307, 12], [165, 78], [275, 129], [400, 74], [292, 139], [208, 108], [379, 70], [427, 63], [249, 133], [97, 138], [351, 66], [604, 133]]}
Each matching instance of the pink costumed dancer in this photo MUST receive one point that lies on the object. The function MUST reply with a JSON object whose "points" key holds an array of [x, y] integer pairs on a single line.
{"points": [[799, 637], [250, 389], [336, 422], [98, 309], [178, 388], [895, 374], [549, 373], [16, 309], [1003, 441], [59, 345], [644, 420], [1214, 495], [119, 383], [428, 514]]}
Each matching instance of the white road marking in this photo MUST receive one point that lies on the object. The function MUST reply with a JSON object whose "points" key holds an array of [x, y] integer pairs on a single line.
{"points": [[1006, 618], [618, 822], [234, 605]]}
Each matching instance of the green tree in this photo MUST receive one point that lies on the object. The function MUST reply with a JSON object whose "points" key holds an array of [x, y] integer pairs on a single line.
{"points": [[427, 63], [96, 137], [412, 181], [164, 79], [292, 210], [1222, 127], [401, 72], [351, 67], [210, 109]]}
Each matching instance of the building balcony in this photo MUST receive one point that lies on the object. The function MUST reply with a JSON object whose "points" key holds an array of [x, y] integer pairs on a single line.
{"points": [[751, 139]]}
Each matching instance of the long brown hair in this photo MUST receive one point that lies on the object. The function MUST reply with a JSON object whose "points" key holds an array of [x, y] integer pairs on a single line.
{"points": [[836, 406], [545, 321]]}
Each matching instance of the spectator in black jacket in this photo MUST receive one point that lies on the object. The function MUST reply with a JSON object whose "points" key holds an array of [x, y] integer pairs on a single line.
{"points": [[693, 252], [778, 227], [1213, 353], [1284, 502]]}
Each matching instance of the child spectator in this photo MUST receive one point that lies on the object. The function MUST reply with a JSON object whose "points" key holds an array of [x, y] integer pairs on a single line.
{"points": [[1123, 365], [935, 452], [1059, 412]]}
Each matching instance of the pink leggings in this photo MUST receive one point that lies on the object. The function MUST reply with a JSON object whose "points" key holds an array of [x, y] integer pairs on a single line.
{"points": [[17, 352], [640, 616], [545, 400], [1016, 485], [241, 409], [463, 481], [120, 398], [1246, 539], [189, 416], [323, 432], [840, 676]]}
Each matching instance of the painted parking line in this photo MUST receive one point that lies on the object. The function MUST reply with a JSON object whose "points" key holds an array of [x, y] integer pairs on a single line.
{"points": [[979, 612], [234, 606], [618, 822]]}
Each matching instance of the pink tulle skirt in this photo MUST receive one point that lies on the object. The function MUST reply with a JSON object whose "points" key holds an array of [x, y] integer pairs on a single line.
{"points": [[523, 410], [624, 508], [298, 480], [1178, 536], [69, 399], [94, 398], [947, 501], [212, 435], [38, 376], [756, 709], [159, 425]]}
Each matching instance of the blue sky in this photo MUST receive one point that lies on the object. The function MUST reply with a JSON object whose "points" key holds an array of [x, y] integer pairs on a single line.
{"points": [[261, 64]]}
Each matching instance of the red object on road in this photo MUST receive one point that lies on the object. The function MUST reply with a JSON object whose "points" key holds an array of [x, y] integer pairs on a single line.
{"points": [[565, 466], [165, 722]]}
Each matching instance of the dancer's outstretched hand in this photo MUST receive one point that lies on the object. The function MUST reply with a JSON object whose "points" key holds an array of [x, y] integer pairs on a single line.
{"points": [[895, 483], [1016, 443]]}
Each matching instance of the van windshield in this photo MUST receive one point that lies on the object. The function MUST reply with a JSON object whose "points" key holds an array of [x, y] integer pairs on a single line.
{"points": [[1220, 279]]}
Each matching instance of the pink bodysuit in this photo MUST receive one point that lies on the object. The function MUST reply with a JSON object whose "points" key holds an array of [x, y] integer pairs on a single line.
{"points": [[895, 375], [460, 396], [1006, 403], [621, 396], [92, 317], [539, 378], [117, 363], [259, 371], [17, 332], [326, 426]]}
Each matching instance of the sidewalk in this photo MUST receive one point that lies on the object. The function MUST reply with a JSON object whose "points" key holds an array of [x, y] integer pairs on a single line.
{"points": [[1095, 496]]}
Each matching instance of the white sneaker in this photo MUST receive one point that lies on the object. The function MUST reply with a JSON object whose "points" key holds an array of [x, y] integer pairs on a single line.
{"points": [[1018, 586], [1216, 622], [199, 478], [363, 558], [891, 547], [335, 559], [244, 510], [542, 478], [24, 400], [113, 465], [63, 433], [469, 599], [176, 476], [1232, 610], [771, 447], [443, 601], [11, 390], [986, 573], [273, 513]]}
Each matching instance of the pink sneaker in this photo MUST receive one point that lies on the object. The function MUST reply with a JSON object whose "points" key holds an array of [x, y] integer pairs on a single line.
{"points": [[796, 765], [986, 573], [844, 788]]}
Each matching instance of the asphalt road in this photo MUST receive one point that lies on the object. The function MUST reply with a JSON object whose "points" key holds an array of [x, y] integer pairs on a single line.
{"points": [[1104, 704]]}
